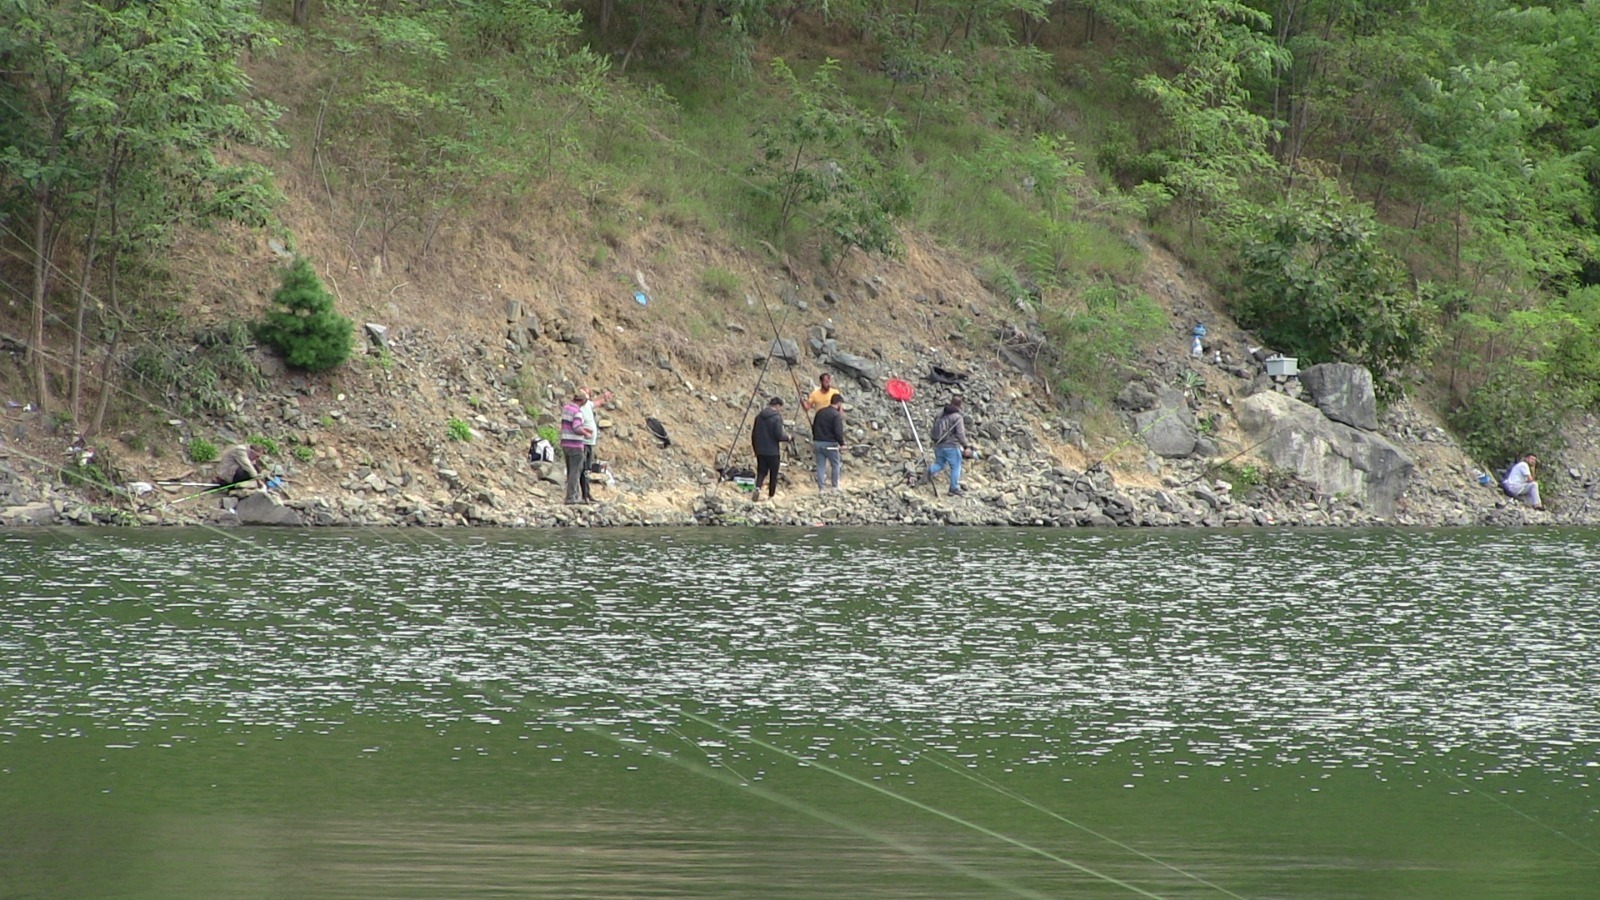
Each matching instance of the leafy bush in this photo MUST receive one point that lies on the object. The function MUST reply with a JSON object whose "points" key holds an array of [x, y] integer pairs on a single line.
{"points": [[550, 433], [458, 430], [1100, 327], [304, 454], [1316, 285], [1518, 410], [202, 451], [267, 445], [88, 475], [304, 328], [200, 380], [823, 158]]}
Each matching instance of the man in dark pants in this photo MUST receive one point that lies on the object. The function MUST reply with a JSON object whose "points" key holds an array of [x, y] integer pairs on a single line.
{"points": [[766, 439]]}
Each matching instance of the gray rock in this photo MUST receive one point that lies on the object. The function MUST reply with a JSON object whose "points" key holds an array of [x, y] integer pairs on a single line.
{"points": [[784, 349], [37, 513], [851, 364], [1331, 456], [262, 508], [1168, 429], [1135, 396], [1343, 391]]}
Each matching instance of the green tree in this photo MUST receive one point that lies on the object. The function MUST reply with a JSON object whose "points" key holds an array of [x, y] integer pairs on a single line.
{"points": [[114, 113], [304, 327], [1516, 410], [1210, 53], [828, 158], [1316, 284]]}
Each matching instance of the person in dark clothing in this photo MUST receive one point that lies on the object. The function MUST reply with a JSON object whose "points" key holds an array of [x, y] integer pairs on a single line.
{"points": [[767, 438], [950, 444], [827, 440]]}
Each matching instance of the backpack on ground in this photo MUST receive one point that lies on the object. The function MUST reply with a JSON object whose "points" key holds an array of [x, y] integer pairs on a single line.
{"points": [[541, 451]]}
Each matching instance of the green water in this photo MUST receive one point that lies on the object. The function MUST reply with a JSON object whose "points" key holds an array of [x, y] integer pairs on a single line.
{"points": [[830, 713]]}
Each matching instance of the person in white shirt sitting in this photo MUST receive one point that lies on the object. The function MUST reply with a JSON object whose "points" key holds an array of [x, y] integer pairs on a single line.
{"points": [[1519, 482]]}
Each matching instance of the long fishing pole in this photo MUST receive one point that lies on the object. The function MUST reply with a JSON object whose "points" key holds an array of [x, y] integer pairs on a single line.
{"points": [[777, 338], [755, 393]]}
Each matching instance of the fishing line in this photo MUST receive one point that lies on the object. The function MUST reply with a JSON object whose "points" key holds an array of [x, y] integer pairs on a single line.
{"points": [[499, 611], [1592, 851], [931, 810], [827, 818], [502, 694], [941, 759]]}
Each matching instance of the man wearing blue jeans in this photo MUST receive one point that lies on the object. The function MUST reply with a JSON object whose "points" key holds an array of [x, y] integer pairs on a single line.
{"points": [[949, 444], [827, 439]]}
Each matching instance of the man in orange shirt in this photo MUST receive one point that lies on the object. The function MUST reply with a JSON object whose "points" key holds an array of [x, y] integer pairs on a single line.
{"points": [[822, 397]]}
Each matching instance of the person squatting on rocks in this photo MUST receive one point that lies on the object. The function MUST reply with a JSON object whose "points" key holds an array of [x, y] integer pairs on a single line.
{"points": [[573, 434], [766, 439], [827, 441], [593, 437], [822, 396], [1519, 483], [949, 444], [239, 465]]}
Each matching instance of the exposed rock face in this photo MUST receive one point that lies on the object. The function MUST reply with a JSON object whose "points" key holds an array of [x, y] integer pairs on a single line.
{"points": [[1343, 391], [1335, 458], [1168, 428]]}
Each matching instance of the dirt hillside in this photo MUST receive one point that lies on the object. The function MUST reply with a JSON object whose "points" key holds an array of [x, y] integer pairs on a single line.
{"points": [[500, 317]]}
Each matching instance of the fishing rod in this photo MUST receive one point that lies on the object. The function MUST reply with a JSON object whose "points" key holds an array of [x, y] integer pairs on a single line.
{"points": [[755, 394], [777, 338]]}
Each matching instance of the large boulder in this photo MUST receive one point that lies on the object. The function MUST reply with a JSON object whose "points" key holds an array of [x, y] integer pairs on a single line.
{"points": [[262, 508], [1343, 391], [858, 367], [1333, 457], [784, 349], [39, 512], [1168, 428]]}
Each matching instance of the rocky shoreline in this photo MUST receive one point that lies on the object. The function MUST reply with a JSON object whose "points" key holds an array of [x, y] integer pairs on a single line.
{"points": [[998, 492], [1204, 443]]}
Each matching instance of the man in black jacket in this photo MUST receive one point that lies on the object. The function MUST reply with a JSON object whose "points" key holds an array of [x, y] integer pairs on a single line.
{"points": [[827, 440], [766, 438]]}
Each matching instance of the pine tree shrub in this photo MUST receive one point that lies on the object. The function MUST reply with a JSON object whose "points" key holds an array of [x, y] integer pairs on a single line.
{"points": [[303, 326]]}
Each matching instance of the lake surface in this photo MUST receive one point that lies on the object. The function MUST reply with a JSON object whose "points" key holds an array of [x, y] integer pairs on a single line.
{"points": [[791, 713]]}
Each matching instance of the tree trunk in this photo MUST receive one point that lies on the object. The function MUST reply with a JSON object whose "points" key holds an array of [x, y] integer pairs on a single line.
{"points": [[41, 278], [114, 311], [301, 14], [80, 313], [702, 20]]}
